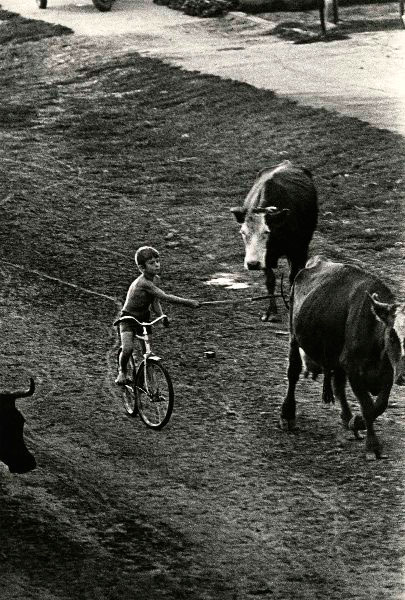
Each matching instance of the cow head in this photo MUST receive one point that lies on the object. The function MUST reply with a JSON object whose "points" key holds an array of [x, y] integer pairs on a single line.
{"points": [[393, 317], [13, 451], [257, 225]]}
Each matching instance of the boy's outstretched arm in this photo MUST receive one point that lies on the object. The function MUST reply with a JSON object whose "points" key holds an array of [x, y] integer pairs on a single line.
{"points": [[159, 294]]}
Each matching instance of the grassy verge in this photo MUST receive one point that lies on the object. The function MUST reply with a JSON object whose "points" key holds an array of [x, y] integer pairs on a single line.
{"points": [[18, 30]]}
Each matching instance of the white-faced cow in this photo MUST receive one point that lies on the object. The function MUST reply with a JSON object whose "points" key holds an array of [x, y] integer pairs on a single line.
{"points": [[278, 218], [347, 322], [13, 451]]}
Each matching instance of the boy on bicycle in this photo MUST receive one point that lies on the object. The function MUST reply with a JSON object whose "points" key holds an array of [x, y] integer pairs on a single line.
{"points": [[143, 294]]}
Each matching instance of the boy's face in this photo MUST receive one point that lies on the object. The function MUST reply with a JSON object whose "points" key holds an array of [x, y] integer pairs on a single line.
{"points": [[152, 266]]}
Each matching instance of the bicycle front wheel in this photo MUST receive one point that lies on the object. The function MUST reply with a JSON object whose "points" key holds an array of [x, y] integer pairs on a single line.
{"points": [[154, 394]]}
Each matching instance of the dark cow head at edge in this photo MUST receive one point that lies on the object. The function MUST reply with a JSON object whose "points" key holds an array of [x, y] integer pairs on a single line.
{"points": [[393, 318], [13, 451]]}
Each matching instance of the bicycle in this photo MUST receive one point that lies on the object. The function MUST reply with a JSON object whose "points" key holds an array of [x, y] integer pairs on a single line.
{"points": [[149, 389]]}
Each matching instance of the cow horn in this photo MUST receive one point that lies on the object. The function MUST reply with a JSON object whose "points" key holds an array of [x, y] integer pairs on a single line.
{"points": [[30, 391], [268, 210], [274, 213], [374, 298], [19, 394], [384, 311]]}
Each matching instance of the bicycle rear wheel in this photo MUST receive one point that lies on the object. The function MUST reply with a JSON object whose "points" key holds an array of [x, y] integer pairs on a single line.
{"points": [[128, 393], [154, 394]]}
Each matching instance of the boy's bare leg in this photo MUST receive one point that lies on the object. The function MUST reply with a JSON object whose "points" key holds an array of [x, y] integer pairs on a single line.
{"points": [[127, 344]]}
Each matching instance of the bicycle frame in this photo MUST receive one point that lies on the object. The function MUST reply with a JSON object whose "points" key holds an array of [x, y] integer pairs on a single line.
{"points": [[148, 354]]}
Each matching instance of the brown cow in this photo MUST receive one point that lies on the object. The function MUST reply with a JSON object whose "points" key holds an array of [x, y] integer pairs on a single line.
{"points": [[347, 322]]}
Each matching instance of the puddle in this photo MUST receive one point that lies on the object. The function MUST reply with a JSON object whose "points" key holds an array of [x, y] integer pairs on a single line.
{"points": [[228, 281]]}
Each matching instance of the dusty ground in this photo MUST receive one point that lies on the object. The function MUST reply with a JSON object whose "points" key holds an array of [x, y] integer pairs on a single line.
{"points": [[98, 156]]}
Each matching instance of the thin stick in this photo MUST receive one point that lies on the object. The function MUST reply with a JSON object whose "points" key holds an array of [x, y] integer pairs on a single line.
{"points": [[219, 302], [234, 301]]}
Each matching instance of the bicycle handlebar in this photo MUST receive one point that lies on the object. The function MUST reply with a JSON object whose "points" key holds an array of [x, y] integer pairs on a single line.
{"points": [[129, 318]]}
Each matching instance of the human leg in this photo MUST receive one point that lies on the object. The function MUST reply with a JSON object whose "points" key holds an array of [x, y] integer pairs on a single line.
{"points": [[127, 345]]}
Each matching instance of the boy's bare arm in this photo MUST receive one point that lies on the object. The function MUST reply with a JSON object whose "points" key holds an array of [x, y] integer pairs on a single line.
{"points": [[159, 294]]}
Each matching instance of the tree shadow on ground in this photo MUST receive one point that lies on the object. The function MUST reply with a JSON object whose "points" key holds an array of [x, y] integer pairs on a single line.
{"points": [[303, 33]]}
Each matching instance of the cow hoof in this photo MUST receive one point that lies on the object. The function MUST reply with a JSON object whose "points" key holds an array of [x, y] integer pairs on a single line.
{"points": [[287, 424], [271, 318], [371, 456], [356, 423], [373, 449], [375, 454], [274, 318]]}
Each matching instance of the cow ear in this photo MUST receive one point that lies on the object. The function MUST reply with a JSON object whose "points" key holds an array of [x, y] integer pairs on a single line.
{"points": [[275, 218], [383, 311], [239, 213]]}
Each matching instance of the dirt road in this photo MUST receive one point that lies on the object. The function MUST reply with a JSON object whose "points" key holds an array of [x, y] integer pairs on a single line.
{"points": [[359, 76], [103, 151]]}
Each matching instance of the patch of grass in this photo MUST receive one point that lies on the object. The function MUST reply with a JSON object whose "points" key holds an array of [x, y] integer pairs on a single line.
{"points": [[15, 29]]}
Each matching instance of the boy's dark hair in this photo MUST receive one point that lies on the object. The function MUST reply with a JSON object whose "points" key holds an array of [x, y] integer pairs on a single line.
{"points": [[145, 253]]}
